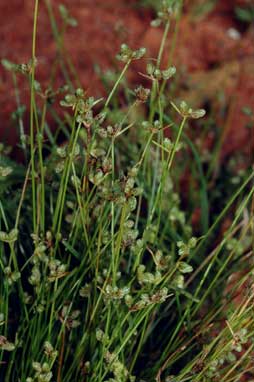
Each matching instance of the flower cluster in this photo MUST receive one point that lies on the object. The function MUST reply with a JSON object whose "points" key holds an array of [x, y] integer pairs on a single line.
{"points": [[127, 54], [10, 237], [114, 293], [155, 73], [142, 94], [49, 350], [56, 270], [43, 373], [168, 10], [187, 112], [24, 68], [148, 277], [184, 249], [119, 371], [42, 370], [5, 344], [85, 290], [146, 300], [130, 234], [102, 337], [42, 261], [153, 127], [11, 276], [68, 318], [124, 191], [5, 171], [82, 105]]}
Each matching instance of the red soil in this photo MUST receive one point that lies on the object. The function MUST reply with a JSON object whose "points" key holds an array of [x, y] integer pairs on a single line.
{"points": [[204, 45]]}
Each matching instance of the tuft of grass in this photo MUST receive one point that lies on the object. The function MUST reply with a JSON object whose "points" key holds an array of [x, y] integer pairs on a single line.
{"points": [[104, 275]]}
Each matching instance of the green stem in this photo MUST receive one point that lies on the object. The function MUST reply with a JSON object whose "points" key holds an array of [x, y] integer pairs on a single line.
{"points": [[52, 310], [155, 86], [179, 134], [117, 83], [40, 138], [113, 210], [58, 222], [163, 43], [20, 120], [154, 204], [32, 100], [173, 46]]}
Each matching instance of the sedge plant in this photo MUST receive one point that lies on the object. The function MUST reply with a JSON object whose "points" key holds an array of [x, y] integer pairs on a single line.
{"points": [[104, 275]]}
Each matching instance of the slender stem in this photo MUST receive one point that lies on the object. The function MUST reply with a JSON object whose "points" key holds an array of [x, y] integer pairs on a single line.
{"points": [[41, 186], [155, 86], [32, 99], [58, 36], [176, 143], [22, 196], [64, 177], [52, 310], [65, 184], [113, 210], [61, 356], [163, 43], [20, 120], [173, 46], [117, 83], [169, 164]]}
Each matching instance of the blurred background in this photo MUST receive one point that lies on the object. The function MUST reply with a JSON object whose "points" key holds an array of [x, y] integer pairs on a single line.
{"points": [[211, 43]]}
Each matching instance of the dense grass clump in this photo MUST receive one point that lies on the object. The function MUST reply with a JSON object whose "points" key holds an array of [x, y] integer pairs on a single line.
{"points": [[105, 274]]}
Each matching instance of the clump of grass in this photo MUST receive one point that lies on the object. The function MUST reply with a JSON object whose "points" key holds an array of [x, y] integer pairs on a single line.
{"points": [[103, 276]]}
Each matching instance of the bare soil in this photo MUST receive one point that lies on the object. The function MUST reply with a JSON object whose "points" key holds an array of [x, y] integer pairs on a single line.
{"points": [[214, 53]]}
